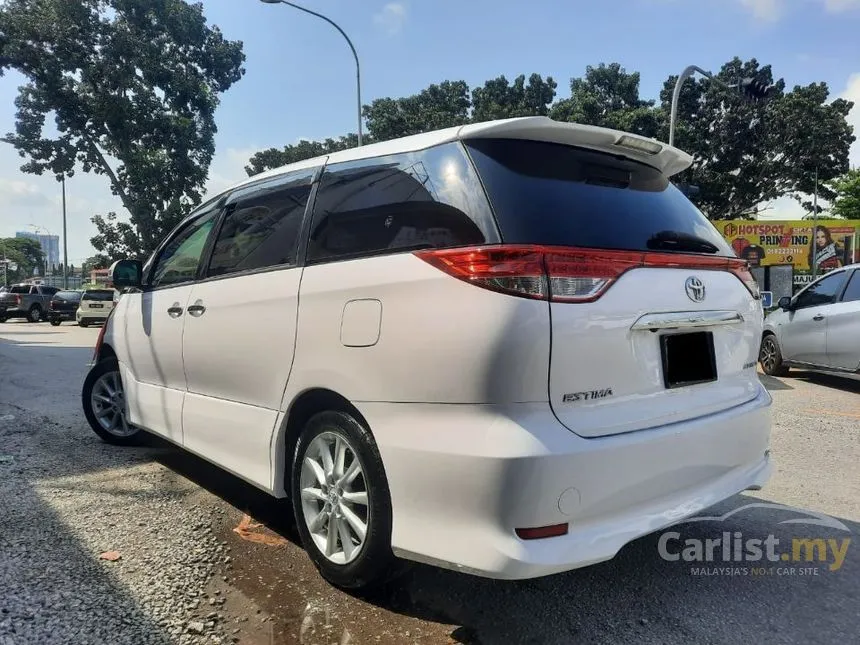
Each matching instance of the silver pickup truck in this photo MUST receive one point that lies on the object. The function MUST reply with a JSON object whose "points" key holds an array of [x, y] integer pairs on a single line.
{"points": [[30, 301]]}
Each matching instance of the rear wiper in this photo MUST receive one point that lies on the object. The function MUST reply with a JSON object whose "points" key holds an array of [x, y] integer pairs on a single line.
{"points": [[678, 241]]}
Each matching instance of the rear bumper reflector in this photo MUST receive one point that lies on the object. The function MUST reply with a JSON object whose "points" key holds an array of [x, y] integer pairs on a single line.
{"points": [[540, 532]]}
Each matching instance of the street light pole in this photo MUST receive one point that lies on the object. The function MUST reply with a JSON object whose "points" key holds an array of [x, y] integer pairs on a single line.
{"points": [[676, 95], [751, 88], [65, 241], [348, 42]]}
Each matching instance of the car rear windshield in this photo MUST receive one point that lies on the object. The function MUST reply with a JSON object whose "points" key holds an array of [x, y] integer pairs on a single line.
{"points": [[98, 295], [25, 289], [71, 296], [548, 193]]}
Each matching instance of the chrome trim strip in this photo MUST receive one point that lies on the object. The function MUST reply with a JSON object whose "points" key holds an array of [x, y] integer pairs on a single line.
{"points": [[686, 320]]}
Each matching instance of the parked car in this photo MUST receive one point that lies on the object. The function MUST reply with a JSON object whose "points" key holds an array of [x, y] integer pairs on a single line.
{"points": [[28, 301], [506, 348], [95, 306], [819, 328], [63, 306]]}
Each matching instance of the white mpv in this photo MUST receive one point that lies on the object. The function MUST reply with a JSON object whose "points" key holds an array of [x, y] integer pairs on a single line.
{"points": [[506, 348]]}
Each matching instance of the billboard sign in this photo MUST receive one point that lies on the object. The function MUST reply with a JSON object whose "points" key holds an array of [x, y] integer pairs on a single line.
{"points": [[792, 242]]}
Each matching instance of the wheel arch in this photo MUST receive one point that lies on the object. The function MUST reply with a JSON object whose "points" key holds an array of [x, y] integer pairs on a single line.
{"points": [[301, 409]]}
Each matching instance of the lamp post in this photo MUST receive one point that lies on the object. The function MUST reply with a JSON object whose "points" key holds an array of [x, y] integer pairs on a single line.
{"points": [[752, 89], [348, 42]]}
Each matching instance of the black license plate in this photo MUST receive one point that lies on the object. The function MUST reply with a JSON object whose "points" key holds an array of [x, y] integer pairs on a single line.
{"points": [[688, 359], [99, 306]]}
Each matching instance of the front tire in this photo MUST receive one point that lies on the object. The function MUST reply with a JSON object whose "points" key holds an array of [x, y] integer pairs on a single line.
{"points": [[770, 357], [81, 323], [55, 322], [103, 398], [342, 503]]}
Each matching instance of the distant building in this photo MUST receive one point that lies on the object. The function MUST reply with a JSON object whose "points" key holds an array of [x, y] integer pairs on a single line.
{"points": [[50, 246]]}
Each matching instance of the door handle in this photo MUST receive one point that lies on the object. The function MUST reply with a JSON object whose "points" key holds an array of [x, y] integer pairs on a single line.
{"points": [[175, 310], [818, 317], [197, 309]]}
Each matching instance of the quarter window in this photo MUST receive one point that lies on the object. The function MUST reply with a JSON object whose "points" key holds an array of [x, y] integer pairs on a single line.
{"points": [[425, 199], [852, 291], [262, 227], [178, 261]]}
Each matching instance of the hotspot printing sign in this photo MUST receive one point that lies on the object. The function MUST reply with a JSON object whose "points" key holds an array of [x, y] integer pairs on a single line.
{"points": [[832, 244]]}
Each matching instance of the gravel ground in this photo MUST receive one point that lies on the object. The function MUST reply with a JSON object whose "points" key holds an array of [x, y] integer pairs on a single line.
{"points": [[67, 498], [186, 576]]}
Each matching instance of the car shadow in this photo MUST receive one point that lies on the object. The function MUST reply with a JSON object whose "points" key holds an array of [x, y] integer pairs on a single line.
{"points": [[637, 597], [844, 382]]}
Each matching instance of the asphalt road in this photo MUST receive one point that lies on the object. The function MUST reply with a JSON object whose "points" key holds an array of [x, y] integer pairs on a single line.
{"points": [[206, 558]]}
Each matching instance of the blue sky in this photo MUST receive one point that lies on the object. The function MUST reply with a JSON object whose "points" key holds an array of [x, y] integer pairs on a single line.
{"points": [[300, 74]]}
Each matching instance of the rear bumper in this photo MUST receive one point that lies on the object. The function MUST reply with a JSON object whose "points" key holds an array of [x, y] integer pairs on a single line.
{"points": [[463, 477]]}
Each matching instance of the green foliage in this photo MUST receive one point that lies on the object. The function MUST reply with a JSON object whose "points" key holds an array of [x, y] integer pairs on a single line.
{"points": [[132, 87], [23, 252], [498, 99], [746, 154], [439, 106], [608, 96], [274, 157], [847, 195]]}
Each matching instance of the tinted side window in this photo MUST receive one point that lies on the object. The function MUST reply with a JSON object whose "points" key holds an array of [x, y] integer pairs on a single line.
{"points": [[49, 291], [822, 292], [852, 291], [178, 261], [261, 228], [20, 290], [425, 199]]}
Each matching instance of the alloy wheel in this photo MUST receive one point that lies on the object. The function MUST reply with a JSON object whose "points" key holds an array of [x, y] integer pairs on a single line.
{"points": [[108, 405], [334, 497], [768, 354]]}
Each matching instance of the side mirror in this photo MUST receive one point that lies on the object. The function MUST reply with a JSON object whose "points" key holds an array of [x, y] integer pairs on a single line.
{"points": [[784, 303], [127, 273]]}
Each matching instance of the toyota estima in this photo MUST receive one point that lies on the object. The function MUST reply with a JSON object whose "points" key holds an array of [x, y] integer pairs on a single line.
{"points": [[506, 348]]}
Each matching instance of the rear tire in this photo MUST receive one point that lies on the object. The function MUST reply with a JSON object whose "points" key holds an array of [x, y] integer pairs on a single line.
{"points": [[34, 315], [346, 502], [103, 398], [81, 323], [55, 323], [770, 357]]}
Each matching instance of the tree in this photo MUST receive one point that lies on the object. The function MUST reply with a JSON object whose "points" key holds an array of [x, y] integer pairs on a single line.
{"points": [[275, 158], [747, 154], [847, 191], [608, 96], [439, 106], [97, 261], [498, 99], [132, 87], [23, 252]]}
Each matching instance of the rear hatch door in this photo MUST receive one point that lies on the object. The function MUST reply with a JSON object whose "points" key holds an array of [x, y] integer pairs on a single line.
{"points": [[654, 320]]}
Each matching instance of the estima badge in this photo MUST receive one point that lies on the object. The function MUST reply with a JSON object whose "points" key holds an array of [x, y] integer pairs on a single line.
{"points": [[695, 289]]}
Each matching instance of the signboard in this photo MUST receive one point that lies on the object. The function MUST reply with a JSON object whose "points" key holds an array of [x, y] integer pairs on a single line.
{"points": [[791, 242]]}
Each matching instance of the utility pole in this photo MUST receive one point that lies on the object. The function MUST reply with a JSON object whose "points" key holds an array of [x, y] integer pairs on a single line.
{"points": [[65, 240]]}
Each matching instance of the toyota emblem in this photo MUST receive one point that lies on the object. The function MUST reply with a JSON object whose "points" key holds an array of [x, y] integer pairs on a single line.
{"points": [[695, 289]]}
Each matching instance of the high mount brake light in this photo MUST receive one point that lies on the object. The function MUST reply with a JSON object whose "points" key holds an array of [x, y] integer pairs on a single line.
{"points": [[564, 274]]}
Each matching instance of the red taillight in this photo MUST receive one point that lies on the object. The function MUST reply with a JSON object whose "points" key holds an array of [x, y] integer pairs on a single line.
{"points": [[51, 305], [564, 274], [541, 532], [17, 300]]}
